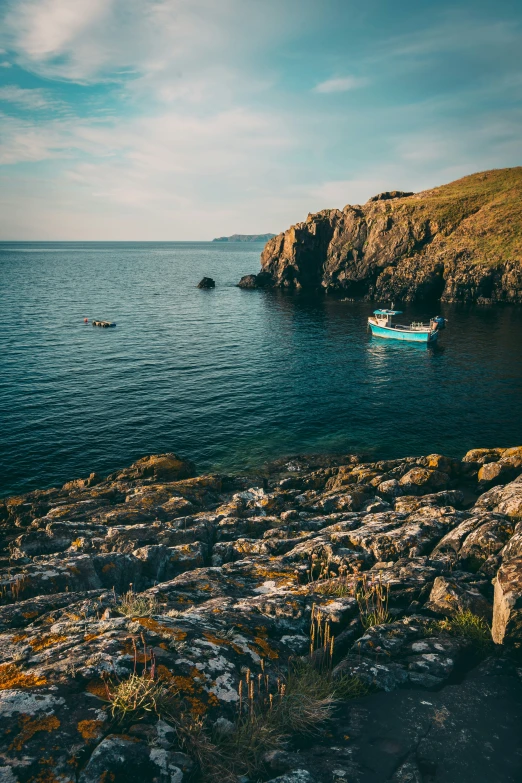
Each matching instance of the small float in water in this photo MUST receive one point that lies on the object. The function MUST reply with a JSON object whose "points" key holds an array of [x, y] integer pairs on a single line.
{"points": [[104, 324], [382, 325]]}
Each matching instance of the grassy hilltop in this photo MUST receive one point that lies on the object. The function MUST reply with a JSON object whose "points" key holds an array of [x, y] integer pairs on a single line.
{"points": [[482, 213]]}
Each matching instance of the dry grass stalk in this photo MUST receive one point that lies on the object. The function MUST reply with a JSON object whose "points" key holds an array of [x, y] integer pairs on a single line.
{"points": [[372, 598]]}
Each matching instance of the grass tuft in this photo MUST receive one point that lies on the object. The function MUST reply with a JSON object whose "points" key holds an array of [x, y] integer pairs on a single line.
{"points": [[133, 604], [139, 696], [372, 598], [468, 626]]}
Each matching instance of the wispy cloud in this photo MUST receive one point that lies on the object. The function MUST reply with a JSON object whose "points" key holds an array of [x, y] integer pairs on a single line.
{"points": [[90, 41], [145, 115], [340, 84], [455, 32], [27, 98]]}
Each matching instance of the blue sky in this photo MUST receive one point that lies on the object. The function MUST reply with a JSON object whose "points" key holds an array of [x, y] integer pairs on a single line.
{"points": [[178, 119]]}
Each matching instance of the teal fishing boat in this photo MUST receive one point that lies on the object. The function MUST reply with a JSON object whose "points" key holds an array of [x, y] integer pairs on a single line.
{"points": [[382, 325]]}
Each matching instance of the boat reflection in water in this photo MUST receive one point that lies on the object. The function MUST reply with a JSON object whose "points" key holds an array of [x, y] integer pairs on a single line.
{"points": [[382, 325]]}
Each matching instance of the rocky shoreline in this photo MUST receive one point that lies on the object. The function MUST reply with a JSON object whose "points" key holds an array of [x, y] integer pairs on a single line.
{"points": [[329, 621]]}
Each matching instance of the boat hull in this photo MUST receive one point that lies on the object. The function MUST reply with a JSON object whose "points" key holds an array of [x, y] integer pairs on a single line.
{"points": [[399, 334]]}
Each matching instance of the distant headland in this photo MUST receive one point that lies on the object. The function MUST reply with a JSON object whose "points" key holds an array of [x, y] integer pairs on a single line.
{"points": [[245, 238]]}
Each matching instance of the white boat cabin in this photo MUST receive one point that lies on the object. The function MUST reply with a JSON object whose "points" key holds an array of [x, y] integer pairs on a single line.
{"points": [[384, 317]]}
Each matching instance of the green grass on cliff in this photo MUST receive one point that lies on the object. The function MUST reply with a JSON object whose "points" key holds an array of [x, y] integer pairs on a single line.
{"points": [[481, 214]]}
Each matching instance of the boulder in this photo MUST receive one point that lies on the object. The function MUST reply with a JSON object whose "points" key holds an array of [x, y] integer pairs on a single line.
{"points": [[91, 481], [420, 479], [159, 467], [448, 597], [207, 282], [507, 468], [507, 605], [390, 488], [505, 500], [248, 281], [254, 281], [127, 761], [297, 776], [482, 456]]}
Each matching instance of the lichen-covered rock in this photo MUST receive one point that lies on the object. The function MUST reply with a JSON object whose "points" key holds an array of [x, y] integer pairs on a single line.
{"points": [[211, 577], [448, 597], [159, 467], [504, 499], [127, 761], [507, 606], [297, 776]]}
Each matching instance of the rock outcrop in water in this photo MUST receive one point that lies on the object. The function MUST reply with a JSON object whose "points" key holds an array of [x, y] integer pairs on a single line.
{"points": [[188, 602], [460, 243], [207, 282]]}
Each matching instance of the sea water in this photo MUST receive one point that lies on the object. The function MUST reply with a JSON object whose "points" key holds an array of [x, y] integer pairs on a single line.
{"points": [[228, 377]]}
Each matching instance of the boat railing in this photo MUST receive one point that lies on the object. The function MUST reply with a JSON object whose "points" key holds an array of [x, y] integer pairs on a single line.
{"points": [[413, 327]]}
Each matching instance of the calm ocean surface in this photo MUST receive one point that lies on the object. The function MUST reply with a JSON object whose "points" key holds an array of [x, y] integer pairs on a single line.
{"points": [[227, 377]]}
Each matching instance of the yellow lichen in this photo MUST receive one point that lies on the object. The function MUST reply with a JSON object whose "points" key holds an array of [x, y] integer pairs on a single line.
{"points": [[198, 708], [265, 648], [184, 684], [19, 637], [30, 726], [97, 688], [12, 677], [156, 627], [48, 776], [217, 640], [89, 729], [47, 641]]}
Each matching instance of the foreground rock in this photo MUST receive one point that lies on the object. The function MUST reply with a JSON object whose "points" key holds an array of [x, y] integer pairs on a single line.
{"points": [[203, 581], [450, 242]]}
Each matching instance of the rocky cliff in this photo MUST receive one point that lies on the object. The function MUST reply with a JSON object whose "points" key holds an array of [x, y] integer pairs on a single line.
{"points": [[461, 242], [328, 622]]}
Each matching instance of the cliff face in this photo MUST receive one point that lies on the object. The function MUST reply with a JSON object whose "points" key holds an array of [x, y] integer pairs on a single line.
{"points": [[458, 242]]}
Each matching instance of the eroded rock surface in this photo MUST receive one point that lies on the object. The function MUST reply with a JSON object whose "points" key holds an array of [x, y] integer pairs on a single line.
{"points": [[228, 571]]}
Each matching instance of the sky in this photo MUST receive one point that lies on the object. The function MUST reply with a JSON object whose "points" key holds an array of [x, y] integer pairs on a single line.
{"points": [[189, 119]]}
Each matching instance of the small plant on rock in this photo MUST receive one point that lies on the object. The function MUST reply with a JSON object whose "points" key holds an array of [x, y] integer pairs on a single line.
{"points": [[132, 699], [372, 598], [140, 694], [133, 604], [468, 626]]}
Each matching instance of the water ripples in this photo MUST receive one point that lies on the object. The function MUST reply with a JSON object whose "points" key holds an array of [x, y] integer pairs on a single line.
{"points": [[228, 377]]}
